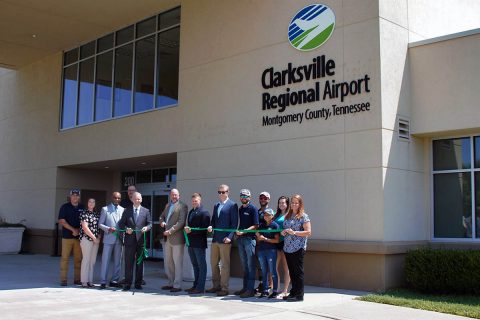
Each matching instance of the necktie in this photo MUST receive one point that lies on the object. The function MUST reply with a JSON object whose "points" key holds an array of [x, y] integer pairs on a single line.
{"points": [[136, 215]]}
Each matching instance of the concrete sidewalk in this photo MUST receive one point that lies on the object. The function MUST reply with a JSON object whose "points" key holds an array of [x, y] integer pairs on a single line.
{"points": [[29, 289]]}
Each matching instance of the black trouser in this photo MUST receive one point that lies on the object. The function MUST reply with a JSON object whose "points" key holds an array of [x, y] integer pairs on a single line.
{"points": [[132, 252], [295, 267]]}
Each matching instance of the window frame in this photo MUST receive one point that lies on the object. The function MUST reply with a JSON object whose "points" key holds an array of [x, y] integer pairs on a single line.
{"points": [[133, 41], [472, 170]]}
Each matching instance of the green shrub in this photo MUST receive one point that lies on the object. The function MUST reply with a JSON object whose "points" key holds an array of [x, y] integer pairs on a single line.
{"points": [[443, 271]]}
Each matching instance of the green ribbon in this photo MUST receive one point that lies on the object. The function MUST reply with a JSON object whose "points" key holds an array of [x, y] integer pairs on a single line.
{"points": [[144, 254], [187, 242]]}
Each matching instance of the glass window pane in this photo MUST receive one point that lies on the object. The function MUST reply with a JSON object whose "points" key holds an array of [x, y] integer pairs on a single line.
{"points": [[69, 110], [85, 96], [144, 74], [87, 50], [173, 174], [124, 35], [144, 176], [146, 26], [169, 18], [477, 205], [452, 205], [160, 175], [477, 152], [123, 80], [128, 179], [105, 43], [103, 92], [451, 154], [168, 62], [70, 56]]}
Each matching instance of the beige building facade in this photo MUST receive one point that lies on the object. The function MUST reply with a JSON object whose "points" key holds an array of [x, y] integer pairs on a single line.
{"points": [[379, 139]]}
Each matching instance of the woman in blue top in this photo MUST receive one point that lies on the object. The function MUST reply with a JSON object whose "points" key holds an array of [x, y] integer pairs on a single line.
{"points": [[267, 252], [283, 204], [296, 230]]}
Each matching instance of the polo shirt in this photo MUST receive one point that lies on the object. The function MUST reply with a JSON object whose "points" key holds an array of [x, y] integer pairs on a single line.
{"points": [[248, 216], [263, 245], [71, 214]]}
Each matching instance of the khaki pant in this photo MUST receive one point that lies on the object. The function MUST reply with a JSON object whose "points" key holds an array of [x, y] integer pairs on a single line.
{"points": [[69, 245], [173, 262], [220, 260], [89, 254]]}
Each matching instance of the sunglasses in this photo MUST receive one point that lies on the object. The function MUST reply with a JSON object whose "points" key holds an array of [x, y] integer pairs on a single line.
{"points": [[244, 196], [222, 192]]}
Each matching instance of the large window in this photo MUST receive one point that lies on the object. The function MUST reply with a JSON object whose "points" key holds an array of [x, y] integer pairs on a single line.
{"points": [[456, 188], [132, 70]]}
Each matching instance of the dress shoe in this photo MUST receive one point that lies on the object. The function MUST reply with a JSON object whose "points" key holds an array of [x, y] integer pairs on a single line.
{"points": [[103, 286], [213, 290], [239, 292], [195, 291], [167, 288], [222, 293], [190, 289], [294, 298], [63, 283], [175, 290], [113, 284], [247, 294], [77, 282], [138, 287], [126, 288]]}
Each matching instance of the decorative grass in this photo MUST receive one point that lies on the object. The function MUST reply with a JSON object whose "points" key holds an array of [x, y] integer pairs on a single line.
{"points": [[460, 305]]}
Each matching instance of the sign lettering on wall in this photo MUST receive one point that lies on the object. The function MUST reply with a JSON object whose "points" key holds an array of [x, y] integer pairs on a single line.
{"points": [[311, 27]]}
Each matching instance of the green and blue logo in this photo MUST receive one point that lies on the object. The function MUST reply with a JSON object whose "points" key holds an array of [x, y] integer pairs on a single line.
{"points": [[311, 27]]}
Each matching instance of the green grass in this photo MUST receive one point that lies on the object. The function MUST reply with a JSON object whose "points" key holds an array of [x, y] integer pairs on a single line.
{"points": [[461, 305]]}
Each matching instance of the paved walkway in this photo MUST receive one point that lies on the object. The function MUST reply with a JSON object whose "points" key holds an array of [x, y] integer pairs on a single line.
{"points": [[29, 290]]}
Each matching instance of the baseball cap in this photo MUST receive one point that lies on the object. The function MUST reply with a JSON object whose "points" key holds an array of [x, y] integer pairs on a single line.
{"points": [[269, 211], [265, 193], [75, 191], [245, 192]]}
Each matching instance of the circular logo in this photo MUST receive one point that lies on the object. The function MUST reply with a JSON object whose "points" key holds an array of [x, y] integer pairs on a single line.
{"points": [[311, 27]]}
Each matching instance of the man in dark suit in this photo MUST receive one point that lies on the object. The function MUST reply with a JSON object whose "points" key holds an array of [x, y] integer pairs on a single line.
{"points": [[224, 216], [173, 220], [136, 220]]}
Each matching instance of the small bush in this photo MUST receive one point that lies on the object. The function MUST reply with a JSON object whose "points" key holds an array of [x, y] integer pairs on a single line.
{"points": [[443, 271]]}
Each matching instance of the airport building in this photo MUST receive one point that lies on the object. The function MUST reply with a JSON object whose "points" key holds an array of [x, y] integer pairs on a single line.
{"points": [[369, 109]]}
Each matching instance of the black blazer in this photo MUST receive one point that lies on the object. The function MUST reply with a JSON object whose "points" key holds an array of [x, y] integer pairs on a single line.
{"points": [[127, 221], [198, 218]]}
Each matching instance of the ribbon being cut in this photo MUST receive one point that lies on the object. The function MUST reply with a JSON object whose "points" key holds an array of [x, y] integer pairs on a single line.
{"points": [[187, 242]]}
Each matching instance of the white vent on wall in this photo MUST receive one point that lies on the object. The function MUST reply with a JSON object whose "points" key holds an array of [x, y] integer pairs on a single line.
{"points": [[403, 129]]}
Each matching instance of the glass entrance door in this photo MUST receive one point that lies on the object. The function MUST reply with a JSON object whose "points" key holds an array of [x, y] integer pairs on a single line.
{"points": [[155, 198]]}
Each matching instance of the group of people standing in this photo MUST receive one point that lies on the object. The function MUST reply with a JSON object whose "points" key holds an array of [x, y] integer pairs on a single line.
{"points": [[270, 239]]}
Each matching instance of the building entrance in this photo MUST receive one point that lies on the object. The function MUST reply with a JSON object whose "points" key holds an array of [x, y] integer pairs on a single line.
{"points": [[155, 186]]}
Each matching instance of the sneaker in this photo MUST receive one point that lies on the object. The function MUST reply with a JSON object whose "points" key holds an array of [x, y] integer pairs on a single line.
{"points": [[103, 286], [213, 290], [263, 295], [247, 294], [273, 295], [113, 284], [222, 293], [259, 289], [239, 292]]}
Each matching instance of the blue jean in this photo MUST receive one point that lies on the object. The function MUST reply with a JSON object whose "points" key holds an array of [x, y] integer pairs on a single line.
{"points": [[246, 250], [199, 263], [268, 263]]}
